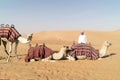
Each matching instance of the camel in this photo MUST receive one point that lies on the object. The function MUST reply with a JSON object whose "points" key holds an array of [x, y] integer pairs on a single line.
{"points": [[102, 52], [12, 40], [58, 55], [42, 52]]}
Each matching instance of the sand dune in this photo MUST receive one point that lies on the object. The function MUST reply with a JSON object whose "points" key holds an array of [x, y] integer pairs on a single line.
{"points": [[105, 69]]}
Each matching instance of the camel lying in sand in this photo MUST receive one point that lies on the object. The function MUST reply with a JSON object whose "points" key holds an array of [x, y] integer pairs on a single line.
{"points": [[58, 55], [87, 54], [44, 53]]}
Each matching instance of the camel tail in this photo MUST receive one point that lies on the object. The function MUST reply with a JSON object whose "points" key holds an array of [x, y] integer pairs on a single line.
{"points": [[0, 41]]}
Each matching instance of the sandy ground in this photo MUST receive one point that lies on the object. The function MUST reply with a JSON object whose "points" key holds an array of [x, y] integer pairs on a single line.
{"points": [[106, 69]]}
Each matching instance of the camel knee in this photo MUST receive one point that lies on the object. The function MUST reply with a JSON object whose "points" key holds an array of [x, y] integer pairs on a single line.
{"points": [[101, 55], [71, 58], [45, 60], [10, 51], [32, 60], [81, 57]]}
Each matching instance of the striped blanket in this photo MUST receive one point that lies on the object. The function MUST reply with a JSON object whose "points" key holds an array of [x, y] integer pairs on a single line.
{"points": [[40, 51], [84, 49], [10, 33]]}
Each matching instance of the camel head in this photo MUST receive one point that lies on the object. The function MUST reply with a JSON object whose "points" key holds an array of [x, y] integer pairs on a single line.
{"points": [[64, 49], [104, 48], [29, 37], [25, 40], [107, 43]]}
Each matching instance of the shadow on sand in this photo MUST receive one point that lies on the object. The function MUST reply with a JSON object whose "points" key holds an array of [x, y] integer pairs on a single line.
{"points": [[109, 55]]}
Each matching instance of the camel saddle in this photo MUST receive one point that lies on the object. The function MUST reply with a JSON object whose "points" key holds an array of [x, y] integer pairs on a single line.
{"points": [[40, 51], [84, 50], [10, 33]]}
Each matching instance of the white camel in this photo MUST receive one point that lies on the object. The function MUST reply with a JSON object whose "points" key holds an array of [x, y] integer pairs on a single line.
{"points": [[16, 41], [102, 52], [19, 39], [57, 55]]}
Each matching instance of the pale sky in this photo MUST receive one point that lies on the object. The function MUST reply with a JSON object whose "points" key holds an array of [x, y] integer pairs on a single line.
{"points": [[49, 15]]}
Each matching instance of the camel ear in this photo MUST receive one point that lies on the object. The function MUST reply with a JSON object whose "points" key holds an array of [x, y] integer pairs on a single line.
{"points": [[67, 46], [30, 46], [108, 41], [36, 44], [64, 46], [43, 44]]}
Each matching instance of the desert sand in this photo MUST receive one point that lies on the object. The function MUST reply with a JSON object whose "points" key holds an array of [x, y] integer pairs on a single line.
{"points": [[106, 69]]}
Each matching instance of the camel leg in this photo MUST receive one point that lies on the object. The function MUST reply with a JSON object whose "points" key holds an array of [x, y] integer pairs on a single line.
{"points": [[10, 51], [15, 49], [4, 44], [47, 59], [70, 58]]}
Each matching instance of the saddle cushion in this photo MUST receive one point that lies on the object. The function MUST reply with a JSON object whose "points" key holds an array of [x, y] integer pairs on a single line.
{"points": [[40, 51], [10, 33], [84, 50]]}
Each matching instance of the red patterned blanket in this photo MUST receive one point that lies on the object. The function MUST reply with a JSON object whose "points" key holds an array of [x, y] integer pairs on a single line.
{"points": [[10, 33], [84, 49], [40, 51]]}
